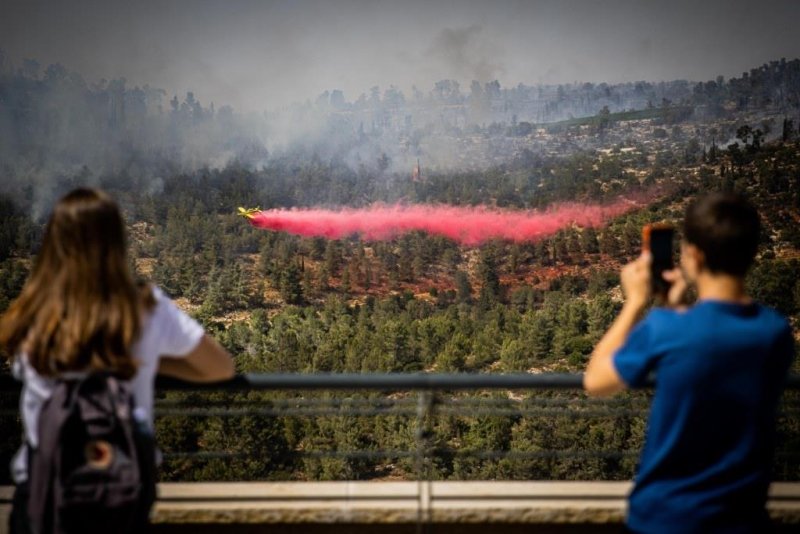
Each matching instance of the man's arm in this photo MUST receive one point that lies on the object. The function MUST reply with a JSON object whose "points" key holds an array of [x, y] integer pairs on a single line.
{"points": [[601, 377]]}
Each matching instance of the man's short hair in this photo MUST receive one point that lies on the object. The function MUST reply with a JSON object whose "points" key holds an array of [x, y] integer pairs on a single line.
{"points": [[725, 227]]}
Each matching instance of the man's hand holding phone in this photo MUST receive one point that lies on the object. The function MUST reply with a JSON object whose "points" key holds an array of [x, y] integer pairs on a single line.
{"points": [[637, 284], [653, 273], [635, 281]]}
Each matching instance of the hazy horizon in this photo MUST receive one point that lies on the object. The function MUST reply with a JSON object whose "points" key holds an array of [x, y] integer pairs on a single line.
{"points": [[259, 56]]}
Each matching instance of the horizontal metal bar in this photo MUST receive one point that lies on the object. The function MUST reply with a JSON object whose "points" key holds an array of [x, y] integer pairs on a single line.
{"points": [[351, 402], [397, 381], [386, 381], [273, 412], [379, 382], [399, 412]]}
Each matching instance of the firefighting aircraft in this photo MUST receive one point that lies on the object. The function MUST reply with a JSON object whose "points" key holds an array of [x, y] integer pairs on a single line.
{"points": [[248, 213]]}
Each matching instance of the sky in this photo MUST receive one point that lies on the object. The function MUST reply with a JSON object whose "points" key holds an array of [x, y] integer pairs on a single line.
{"points": [[263, 55]]}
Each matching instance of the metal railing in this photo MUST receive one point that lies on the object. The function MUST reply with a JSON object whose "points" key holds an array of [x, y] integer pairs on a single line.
{"points": [[553, 402], [422, 401]]}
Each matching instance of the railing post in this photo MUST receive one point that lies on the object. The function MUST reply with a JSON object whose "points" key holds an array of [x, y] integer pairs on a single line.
{"points": [[424, 436]]}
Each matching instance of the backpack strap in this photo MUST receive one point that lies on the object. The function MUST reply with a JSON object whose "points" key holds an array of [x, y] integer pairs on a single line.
{"points": [[41, 506]]}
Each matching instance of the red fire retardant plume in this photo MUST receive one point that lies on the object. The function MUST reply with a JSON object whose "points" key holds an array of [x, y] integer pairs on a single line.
{"points": [[466, 225]]}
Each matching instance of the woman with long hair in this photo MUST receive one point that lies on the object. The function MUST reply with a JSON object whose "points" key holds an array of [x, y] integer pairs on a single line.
{"points": [[81, 311]]}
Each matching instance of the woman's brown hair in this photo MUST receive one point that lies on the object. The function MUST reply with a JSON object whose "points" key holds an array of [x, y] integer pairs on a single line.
{"points": [[80, 309]]}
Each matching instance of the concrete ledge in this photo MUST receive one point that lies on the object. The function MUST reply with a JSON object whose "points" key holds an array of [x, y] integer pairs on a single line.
{"points": [[470, 502], [448, 502]]}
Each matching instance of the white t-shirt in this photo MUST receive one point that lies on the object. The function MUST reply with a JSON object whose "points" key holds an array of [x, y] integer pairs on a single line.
{"points": [[166, 331]]}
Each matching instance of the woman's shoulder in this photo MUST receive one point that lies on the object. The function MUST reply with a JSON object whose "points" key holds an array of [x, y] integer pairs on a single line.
{"points": [[156, 302], [168, 325]]}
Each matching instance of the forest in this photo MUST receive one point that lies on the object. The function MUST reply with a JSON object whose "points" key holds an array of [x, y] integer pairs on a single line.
{"points": [[418, 303]]}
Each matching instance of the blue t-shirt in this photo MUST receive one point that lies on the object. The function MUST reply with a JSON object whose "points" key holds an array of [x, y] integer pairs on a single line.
{"points": [[720, 368]]}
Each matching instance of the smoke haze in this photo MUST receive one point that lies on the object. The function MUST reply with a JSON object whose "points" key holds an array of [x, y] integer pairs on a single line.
{"points": [[262, 55], [467, 54], [141, 90]]}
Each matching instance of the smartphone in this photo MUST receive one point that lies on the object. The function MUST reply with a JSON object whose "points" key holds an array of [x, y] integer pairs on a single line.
{"points": [[657, 238]]}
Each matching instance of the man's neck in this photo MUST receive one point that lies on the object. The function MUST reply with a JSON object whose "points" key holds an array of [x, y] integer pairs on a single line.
{"points": [[721, 287]]}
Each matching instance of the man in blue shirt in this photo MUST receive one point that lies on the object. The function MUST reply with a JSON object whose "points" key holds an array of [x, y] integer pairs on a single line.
{"points": [[719, 368]]}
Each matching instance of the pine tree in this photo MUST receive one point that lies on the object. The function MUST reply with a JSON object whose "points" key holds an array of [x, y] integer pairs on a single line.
{"points": [[333, 257], [463, 287], [346, 284], [589, 243], [487, 274], [290, 288]]}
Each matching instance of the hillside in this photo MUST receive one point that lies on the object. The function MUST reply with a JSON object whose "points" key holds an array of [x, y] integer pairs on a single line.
{"points": [[281, 303]]}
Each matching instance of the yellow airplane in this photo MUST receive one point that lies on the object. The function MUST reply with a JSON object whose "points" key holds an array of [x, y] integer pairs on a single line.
{"points": [[248, 213]]}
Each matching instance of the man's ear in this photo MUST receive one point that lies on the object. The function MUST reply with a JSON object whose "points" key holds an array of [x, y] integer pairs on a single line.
{"points": [[694, 259]]}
